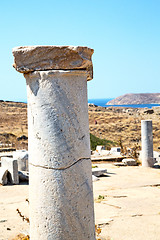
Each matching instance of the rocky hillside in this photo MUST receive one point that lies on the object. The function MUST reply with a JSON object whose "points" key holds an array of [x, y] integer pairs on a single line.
{"points": [[136, 98], [13, 124], [114, 124], [120, 124]]}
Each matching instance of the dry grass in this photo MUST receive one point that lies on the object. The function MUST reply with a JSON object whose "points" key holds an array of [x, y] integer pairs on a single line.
{"points": [[21, 237], [13, 123], [116, 123], [112, 124]]}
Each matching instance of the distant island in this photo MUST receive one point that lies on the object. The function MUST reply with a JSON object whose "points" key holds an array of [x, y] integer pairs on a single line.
{"points": [[136, 98]]}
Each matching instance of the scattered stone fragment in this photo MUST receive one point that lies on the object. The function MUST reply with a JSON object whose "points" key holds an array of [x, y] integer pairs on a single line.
{"points": [[98, 171], [156, 165], [22, 157], [115, 151], [12, 166], [120, 164], [129, 162], [94, 178]]}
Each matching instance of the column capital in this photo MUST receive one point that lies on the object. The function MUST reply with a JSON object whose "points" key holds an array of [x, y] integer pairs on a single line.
{"points": [[40, 58]]}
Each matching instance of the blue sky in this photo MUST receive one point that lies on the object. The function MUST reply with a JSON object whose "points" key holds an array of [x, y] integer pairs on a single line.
{"points": [[125, 35]]}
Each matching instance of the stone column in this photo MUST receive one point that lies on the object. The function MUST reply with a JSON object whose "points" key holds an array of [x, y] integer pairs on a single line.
{"points": [[61, 195], [147, 143]]}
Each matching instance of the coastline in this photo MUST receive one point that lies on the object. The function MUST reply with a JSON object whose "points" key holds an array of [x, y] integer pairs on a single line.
{"points": [[103, 103]]}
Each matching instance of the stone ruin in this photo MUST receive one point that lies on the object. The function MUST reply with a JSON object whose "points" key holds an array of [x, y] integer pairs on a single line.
{"points": [[60, 190], [59, 145], [147, 143], [14, 169]]}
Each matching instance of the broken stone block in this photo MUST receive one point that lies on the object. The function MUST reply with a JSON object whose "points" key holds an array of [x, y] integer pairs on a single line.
{"points": [[94, 178], [129, 162], [33, 58], [12, 166], [23, 176], [120, 164], [115, 151], [98, 171], [22, 157], [3, 176]]}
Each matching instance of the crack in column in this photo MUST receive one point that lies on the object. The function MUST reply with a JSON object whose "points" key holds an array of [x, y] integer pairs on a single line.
{"points": [[61, 168]]}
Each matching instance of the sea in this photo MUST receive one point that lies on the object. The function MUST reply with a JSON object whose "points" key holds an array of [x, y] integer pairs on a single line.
{"points": [[102, 102]]}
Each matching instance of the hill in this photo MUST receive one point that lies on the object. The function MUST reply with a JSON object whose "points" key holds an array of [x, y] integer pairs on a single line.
{"points": [[136, 98], [110, 123], [123, 124], [13, 124]]}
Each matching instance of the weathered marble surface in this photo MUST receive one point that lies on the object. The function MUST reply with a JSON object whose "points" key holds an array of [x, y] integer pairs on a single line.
{"points": [[32, 58], [147, 143], [129, 162], [12, 166], [22, 157], [64, 206], [98, 171], [57, 117], [59, 156], [61, 194]]}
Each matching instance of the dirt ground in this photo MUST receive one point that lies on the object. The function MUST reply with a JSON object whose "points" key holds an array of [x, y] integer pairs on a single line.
{"points": [[112, 123], [12, 198], [128, 207], [115, 123]]}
